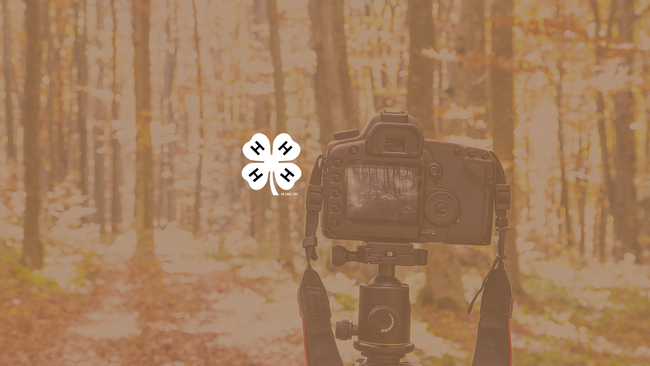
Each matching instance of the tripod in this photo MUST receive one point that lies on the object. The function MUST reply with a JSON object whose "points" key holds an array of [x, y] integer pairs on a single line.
{"points": [[384, 324]]}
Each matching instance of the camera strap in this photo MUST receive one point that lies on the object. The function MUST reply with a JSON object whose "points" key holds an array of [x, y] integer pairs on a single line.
{"points": [[493, 341], [320, 346], [493, 346]]}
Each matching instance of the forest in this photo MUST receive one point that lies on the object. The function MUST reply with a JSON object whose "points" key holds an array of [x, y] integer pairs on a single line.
{"points": [[128, 236]]}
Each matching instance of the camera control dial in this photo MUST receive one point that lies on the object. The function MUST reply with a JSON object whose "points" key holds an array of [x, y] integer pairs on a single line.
{"points": [[442, 208]]}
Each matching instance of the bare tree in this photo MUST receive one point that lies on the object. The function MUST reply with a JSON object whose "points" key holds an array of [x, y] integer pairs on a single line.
{"points": [[336, 102], [286, 249], [32, 246], [9, 73], [625, 158], [81, 40], [503, 121], [443, 286], [199, 86], [469, 75], [609, 189], [419, 84], [99, 134], [116, 207], [582, 184], [51, 100], [564, 196], [259, 200], [144, 156], [61, 117], [166, 195]]}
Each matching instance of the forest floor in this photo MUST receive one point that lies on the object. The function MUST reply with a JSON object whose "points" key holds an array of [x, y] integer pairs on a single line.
{"points": [[101, 306]]}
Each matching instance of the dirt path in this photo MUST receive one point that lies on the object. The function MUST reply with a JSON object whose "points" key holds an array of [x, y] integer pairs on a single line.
{"points": [[189, 310]]}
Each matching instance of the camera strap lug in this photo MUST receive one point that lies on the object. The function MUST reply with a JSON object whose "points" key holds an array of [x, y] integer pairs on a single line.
{"points": [[502, 197]]}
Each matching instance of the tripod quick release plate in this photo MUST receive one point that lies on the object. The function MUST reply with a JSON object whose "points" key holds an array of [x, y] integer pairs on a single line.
{"points": [[381, 253]]}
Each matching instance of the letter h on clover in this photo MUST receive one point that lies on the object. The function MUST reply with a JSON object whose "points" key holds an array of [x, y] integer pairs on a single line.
{"points": [[271, 162]]}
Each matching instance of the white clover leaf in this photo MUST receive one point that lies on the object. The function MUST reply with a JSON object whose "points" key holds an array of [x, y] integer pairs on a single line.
{"points": [[258, 148], [286, 175], [284, 148], [256, 174]]}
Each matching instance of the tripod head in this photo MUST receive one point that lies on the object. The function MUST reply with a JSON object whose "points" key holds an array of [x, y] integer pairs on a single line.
{"points": [[384, 308]]}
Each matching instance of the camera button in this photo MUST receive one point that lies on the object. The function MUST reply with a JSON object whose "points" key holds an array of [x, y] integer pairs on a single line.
{"points": [[435, 171], [336, 192], [354, 150], [471, 153], [335, 223], [334, 208], [336, 178], [338, 163]]}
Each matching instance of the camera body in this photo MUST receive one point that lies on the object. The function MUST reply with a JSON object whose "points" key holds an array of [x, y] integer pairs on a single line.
{"points": [[389, 183]]}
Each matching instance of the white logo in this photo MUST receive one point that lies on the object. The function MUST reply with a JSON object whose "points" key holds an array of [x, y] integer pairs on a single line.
{"points": [[259, 149]]}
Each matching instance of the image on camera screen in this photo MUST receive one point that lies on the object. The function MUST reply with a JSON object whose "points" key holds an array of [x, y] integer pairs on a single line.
{"points": [[382, 192]]}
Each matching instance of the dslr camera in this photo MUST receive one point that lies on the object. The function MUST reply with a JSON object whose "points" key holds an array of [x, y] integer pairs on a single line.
{"points": [[389, 183]]}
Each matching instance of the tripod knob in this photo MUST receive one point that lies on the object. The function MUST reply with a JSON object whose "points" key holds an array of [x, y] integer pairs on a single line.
{"points": [[341, 256], [345, 329]]}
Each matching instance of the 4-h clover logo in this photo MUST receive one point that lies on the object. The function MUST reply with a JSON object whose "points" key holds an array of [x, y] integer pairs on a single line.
{"points": [[259, 149]]}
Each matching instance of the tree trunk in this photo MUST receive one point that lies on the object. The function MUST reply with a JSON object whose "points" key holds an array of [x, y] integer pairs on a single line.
{"points": [[259, 201], [60, 117], [165, 198], [199, 169], [81, 39], [608, 191], [564, 198], [284, 223], [55, 97], [582, 184], [503, 122], [9, 73], [602, 226], [99, 135], [116, 173], [144, 156], [336, 101], [625, 158], [51, 101], [644, 229], [32, 247], [419, 84], [468, 75], [443, 286]]}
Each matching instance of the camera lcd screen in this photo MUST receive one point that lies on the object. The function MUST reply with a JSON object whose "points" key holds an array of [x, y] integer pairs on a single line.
{"points": [[382, 192]]}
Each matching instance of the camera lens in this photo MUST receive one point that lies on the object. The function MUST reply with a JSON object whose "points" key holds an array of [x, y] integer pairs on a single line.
{"points": [[442, 208]]}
